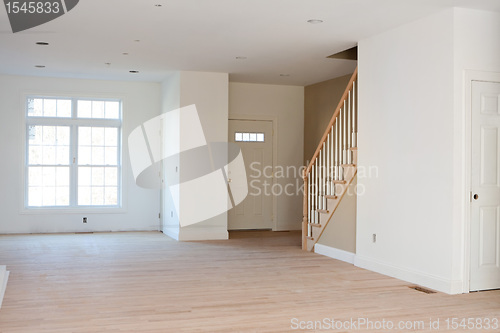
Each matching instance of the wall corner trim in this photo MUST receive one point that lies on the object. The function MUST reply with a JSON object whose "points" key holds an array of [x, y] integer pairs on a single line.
{"points": [[172, 232], [4, 277]]}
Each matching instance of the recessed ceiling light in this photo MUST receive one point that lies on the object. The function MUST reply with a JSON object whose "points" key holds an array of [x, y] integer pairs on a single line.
{"points": [[107, 64], [137, 40], [42, 43], [241, 58], [158, 5], [125, 53], [284, 74], [134, 72], [314, 21], [40, 66]]}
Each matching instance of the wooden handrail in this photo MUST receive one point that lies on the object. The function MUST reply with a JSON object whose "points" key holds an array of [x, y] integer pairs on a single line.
{"points": [[332, 121]]}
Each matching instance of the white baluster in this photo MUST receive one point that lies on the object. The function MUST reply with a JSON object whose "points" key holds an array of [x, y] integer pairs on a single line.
{"points": [[332, 161], [311, 194], [320, 173], [316, 194], [323, 174], [327, 171], [346, 135], [341, 145], [337, 136], [309, 205], [355, 117], [348, 160]]}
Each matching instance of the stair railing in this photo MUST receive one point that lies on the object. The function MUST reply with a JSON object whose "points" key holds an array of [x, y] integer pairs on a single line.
{"points": [[334, 152]]}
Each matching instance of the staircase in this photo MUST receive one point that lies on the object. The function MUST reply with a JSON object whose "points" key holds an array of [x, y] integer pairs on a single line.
{"points": [[332, 167]]}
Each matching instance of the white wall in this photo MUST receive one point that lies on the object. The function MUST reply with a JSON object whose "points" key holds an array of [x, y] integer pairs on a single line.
{"points": [[141, 101], [406, 130], [413, 127], [284, 104], [170, 101], [209, 93], [477, 48]]}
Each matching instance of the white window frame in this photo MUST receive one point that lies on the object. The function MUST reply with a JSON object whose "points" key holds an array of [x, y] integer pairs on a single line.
{"points": [[74, 123]]}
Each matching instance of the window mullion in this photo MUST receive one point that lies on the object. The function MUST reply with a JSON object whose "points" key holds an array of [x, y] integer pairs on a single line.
{"points": [[74, 159], [119, 165], [26, 165]]}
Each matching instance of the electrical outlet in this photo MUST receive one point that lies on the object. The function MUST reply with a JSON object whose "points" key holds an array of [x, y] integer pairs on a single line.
{"points": [[84, 220], [374, 238]]}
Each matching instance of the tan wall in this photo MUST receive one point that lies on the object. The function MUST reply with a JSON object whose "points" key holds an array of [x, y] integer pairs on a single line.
{"points": [[286, 105], [320, 101], [340, 233]]}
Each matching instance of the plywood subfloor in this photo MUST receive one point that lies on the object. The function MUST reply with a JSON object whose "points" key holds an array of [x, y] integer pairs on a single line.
{"points": [[255, 282]]}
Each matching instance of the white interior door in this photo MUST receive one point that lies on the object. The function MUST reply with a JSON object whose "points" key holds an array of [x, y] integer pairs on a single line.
{"points": [[255, 138], [485, 206]]}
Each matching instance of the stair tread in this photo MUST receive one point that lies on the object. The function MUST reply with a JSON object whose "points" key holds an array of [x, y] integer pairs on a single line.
{"points": [[322, 211], [317, 225], [331, 196], [309, 238], [339, 181], [349, 165], [353, 148]]}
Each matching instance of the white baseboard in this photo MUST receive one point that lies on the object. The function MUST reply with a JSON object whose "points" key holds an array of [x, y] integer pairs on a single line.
{"points": [[411, 276], [334, 253], [4, 277], [172, 232], [203, 233], [196, 233]]}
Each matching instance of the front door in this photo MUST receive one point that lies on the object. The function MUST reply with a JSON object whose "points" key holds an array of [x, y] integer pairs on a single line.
{"points": [[255, 138]]}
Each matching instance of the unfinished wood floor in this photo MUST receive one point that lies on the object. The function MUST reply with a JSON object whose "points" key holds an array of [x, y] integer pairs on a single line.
{"points": [[255, 282]]}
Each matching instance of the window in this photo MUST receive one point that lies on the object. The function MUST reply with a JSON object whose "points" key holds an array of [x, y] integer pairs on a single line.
{"points": [[73, 149], [248, 137]]}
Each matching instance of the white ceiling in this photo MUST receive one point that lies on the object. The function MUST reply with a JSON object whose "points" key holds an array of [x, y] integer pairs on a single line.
{"points": [[208, 35]]}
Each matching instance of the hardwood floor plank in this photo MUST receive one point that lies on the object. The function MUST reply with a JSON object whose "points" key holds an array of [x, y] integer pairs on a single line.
{"points": [[254, 282]]}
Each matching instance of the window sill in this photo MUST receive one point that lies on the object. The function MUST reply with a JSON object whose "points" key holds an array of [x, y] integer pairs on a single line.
{"points": [[75, 210]]}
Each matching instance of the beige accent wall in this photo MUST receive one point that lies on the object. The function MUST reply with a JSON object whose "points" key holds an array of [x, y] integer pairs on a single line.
{"points": [[284, 104], [320, 101], [340, 232]]}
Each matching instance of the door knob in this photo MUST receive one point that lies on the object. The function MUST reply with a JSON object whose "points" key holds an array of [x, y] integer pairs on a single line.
{"points": [[475, 196]]}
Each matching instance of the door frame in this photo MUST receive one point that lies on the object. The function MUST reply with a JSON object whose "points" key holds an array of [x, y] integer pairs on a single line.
{"points": [[274, 120], [469, 77]]}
